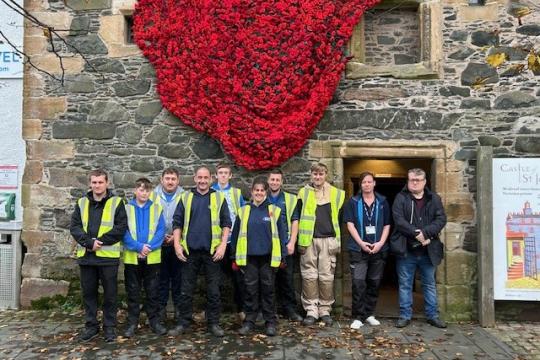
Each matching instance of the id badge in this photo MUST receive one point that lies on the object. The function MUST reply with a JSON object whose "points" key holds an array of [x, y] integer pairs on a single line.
{"points": [[370, 230]]}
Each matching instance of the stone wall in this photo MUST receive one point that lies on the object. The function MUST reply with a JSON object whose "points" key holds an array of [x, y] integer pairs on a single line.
{"points": [[108, 115]]}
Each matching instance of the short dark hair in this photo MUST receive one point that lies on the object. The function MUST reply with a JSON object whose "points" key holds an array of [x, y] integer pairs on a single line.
{"points": [[260, 180], [276, 172], [171, 170], [143, 182], [98, 172], [417, 172], [364, 175]]}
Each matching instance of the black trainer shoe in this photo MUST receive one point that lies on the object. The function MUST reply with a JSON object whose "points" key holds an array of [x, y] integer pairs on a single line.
{"points": [[179, 330], [158, 329], [309, 320], [327, 320], [88, 334], [402, 322], [109, 334], [245, 329], [130, 331], [216, 330], [271, 330], [437, 323]]}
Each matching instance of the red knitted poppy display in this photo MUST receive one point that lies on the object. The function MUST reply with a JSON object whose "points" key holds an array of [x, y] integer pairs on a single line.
{"points": [[256, 75]]}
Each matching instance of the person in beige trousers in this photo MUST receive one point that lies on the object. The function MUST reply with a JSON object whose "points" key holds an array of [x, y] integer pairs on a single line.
{"points": [[319, 241]]}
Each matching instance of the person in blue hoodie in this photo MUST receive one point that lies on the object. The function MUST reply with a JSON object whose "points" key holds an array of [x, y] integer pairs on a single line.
{"points": [[259, 248], [142, 257], [367, 216]]}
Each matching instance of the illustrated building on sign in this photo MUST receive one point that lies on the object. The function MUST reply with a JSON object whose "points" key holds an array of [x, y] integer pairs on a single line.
{"points": [[523, 246]]}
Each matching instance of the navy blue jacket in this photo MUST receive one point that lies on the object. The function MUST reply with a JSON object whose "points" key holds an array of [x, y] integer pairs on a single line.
{"points": [[199, 235], [259, 232], [279, 201], [354, 213]]}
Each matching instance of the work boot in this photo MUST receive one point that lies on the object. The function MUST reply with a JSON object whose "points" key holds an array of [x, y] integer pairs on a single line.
{"points": [[271, 329], [402, 322], [309, 320], [437, 323], [88, 334], [293, 315], [130, 331], [327, 320]]}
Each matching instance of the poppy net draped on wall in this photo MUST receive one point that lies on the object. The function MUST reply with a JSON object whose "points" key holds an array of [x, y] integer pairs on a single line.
{"points": [[256, 75]]}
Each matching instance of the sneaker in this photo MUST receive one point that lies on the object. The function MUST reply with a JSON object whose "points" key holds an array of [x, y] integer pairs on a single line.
{"points": [[216, 330], [158, 328], [356, 324], [130, 331], [372, 321], [402, 322], [88, 334], [179, 330], [245, 329], [109, 334], [437, 323], [327, 320], [309, 320], [271, 330]]}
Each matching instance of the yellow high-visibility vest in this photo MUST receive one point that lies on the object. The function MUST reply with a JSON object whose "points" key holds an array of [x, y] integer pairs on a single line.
{"points": [[241, 245], [106, 225], [290, 204], [216, 200], [309, 207], [236, 194], [154, 257]]}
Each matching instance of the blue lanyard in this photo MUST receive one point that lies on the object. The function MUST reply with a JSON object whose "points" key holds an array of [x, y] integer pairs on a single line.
{"points": [[360, 211]]}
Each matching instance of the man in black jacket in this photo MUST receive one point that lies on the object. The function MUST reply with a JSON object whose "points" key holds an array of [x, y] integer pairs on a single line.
{"points": [[98, 224], [419, 216]]}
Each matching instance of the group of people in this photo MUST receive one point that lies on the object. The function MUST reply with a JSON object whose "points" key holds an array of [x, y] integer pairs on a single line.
{"points": [[167, 236]]}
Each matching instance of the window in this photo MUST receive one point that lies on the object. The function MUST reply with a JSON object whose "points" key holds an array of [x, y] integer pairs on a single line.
{"points": [[398, 38], [477, 2], [128, 20]]}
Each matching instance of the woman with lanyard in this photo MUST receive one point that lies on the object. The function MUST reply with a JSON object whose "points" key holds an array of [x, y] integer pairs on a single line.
{"points": [[367, 216], [258, 250]]}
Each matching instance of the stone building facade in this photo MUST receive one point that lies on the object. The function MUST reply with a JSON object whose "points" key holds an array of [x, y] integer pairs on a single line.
{"points": [[418, 86]]}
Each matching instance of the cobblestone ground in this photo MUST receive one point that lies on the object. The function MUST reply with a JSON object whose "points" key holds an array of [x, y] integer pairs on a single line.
{"points": [[31, 335], [523, 338]]}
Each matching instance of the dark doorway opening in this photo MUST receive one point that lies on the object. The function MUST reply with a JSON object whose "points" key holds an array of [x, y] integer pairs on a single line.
{"points": [[390, 177]]}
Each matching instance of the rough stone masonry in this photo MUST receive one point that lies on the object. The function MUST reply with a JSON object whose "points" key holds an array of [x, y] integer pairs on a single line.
{"points": [[109, 115]]}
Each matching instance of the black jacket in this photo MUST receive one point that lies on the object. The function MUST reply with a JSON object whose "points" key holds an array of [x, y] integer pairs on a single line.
{"points": [[95, 211], [431, 220]]}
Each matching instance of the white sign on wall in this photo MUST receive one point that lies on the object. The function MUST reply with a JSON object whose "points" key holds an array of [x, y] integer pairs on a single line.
{"points": [[516, 229], [11, 63]]}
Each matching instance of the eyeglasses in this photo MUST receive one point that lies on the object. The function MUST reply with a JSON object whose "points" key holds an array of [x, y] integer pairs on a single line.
{"points": [[416, 180]]}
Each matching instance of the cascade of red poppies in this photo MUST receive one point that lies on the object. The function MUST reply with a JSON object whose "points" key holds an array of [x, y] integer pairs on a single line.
{"points": [[256, 75]]}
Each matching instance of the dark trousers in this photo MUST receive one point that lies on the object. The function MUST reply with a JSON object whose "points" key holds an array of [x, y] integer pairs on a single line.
{"points": [[170, 277], [285, 294], [136, 277], [236, 278], [197, 261], [366, 273], [259, 278], [91, 276]]}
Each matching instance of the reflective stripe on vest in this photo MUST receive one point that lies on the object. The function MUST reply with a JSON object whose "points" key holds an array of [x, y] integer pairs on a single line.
{"points": [[290, 204], [154, 257], [241, 245], [236, 195], [309, 207], [216, 201], [106, 225]]}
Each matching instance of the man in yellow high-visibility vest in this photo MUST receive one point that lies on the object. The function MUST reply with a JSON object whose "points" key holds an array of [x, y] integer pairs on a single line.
{"points": [[98, 224], [319, 241]]}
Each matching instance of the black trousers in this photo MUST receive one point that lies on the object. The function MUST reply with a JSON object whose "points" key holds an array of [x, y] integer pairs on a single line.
{"points": [[236, 278], [91, 276], [198, 261], [285, 294], [136, 277], [366, 273], [170, 277], [259, 278]]}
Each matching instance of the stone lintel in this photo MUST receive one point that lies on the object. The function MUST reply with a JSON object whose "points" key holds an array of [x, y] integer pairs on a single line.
{"points": [[488, 12], [357, 70]]}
